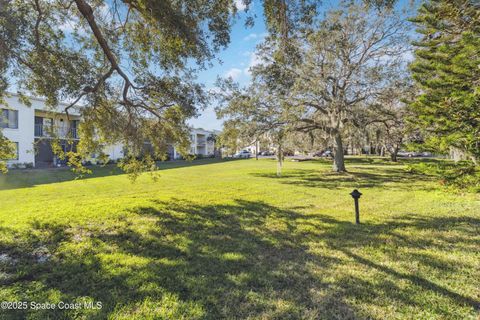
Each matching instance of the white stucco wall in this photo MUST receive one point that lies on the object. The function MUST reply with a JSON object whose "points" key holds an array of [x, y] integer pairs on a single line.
{"points": [[24, 134], [114, 151]]}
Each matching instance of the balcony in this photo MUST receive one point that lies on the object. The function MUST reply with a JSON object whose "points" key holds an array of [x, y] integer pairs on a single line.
{"points": [[58, 131]]}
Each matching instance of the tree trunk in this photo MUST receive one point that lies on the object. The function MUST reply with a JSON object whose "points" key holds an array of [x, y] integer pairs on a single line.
{"points": [[456, 154], [393, 155], [338, 158], [218, 153], [279, 160], [256, 150]]}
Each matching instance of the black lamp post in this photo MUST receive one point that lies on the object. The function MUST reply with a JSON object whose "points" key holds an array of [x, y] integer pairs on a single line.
{"points": [[356, 195]]}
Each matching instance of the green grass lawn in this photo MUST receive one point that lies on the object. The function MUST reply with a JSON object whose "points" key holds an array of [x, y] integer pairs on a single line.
{"points": [[213, 240]]}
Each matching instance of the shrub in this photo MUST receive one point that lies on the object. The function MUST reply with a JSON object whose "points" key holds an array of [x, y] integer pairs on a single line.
{"points": [[462, 176], [21, 165]]}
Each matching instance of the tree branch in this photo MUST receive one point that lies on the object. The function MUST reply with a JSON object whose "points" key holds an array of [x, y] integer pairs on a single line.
{"points": [[87, 12]]}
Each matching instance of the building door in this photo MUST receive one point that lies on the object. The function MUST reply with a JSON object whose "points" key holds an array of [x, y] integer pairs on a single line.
{"points": [[44, 153]]}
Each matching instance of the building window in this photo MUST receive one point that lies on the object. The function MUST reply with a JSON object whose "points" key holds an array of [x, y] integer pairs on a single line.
{"points": [[73, 129], [43, 126], [9, 119]]}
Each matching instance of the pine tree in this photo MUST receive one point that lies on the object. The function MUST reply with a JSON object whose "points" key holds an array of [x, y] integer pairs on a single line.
{"points": [[446, 70]]}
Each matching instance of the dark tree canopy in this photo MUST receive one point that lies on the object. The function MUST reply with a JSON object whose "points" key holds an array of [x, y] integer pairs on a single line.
{"points": [[131, 64], [446, 72]]}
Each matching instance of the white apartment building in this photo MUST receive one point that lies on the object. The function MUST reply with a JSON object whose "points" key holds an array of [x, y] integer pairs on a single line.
{"points": [[201, 143], [30, 128]]}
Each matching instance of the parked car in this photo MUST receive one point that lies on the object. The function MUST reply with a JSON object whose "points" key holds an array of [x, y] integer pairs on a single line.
{"points": [[409, 154], [242, 154], [266, 153], [326, 154]]}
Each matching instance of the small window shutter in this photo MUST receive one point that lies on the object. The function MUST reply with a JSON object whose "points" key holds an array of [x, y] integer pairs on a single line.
{"points": [[4, 118]]}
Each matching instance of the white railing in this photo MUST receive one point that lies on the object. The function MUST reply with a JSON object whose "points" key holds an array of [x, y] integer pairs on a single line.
{"points": [[59, 131]]}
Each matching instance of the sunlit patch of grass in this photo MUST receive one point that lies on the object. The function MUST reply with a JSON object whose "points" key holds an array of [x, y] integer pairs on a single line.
{"points": [[213, 240]]}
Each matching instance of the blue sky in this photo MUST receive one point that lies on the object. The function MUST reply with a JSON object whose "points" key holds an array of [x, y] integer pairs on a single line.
{"points": [[234, 61]]}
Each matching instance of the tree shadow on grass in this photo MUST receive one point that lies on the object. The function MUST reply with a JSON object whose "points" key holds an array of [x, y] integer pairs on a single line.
{"points": [[387, 178], [222, 258], [378, 160], [26, 178], [347, 238], [16, 179], [238, 260]]}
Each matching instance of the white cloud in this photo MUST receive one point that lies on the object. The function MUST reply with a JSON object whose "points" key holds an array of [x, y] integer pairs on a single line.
{"points": [[104, 11], [250, 37], [408, 56], [255, 36], [255, 59], [214, 90], [240, 5], [233, 73], [66, 27], [69, 26]]}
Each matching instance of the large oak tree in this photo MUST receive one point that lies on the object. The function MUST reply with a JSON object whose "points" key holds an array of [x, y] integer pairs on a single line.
{"points": [[348, 62]]}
